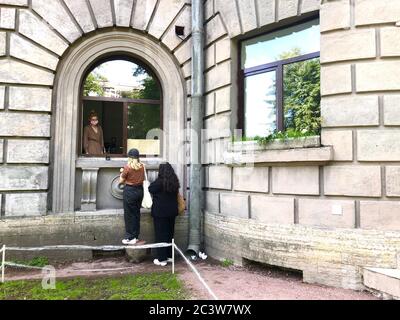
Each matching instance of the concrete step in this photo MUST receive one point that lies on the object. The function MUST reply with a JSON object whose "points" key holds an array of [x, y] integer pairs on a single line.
{"points": [[383, 281]]}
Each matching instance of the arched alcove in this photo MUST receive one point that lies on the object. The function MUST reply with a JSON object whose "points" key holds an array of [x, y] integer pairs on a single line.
{"points": [[65, 131]]}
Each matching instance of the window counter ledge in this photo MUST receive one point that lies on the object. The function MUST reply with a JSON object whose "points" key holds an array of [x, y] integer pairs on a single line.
{"points": [[89, 163]]}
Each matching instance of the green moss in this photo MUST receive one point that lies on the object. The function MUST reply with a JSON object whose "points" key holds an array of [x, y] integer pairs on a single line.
{"points": [[154, 286], [227, 263], [35, 262]]}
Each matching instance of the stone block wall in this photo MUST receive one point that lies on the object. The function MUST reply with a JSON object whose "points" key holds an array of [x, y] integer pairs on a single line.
{"points": [[34, 37], [358, 190]]}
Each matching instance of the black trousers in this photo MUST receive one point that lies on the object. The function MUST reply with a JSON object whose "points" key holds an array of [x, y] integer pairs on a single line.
{"points": [[164, 229], [133, 197]]}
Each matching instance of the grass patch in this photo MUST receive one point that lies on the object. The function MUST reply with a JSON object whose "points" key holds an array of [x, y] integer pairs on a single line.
{"points": [[153, 286], [227, 263], [39, 262]]}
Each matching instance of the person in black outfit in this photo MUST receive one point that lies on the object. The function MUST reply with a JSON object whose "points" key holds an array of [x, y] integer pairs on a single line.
{"points": [[165, 210]]}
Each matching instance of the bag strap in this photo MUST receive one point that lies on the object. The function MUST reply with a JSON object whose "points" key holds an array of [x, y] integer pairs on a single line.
{"points": [[145, 173]]}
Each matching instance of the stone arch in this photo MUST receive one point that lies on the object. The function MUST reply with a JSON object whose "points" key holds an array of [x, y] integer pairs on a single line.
{"points": [[69, 75]]}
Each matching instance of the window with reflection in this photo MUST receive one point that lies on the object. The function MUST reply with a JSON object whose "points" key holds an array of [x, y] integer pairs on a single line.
{"points": [[121, 110], [280, 75]]}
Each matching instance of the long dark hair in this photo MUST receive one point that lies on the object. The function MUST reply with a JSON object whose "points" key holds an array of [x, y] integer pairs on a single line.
{"points": [[168, 178]]}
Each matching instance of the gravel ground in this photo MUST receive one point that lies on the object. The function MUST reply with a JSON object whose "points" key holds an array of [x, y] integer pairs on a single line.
{"points": [[228, 283]]}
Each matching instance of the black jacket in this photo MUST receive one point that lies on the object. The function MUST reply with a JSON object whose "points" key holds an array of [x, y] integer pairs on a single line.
{"points": [[165, 204]]}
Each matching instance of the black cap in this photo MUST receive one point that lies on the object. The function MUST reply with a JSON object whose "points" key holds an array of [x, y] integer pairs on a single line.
{"points": [[134, 153]]}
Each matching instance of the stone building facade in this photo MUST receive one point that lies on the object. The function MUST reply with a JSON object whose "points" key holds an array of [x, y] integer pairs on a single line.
{"points": [[328, 209]]}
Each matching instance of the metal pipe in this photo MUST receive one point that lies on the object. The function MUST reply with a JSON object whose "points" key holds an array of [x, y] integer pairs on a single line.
{"points": [[195, 212]]}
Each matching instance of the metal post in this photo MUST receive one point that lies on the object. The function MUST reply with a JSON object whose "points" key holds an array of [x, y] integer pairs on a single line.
{"points": [[3, 262], [173, 256]]}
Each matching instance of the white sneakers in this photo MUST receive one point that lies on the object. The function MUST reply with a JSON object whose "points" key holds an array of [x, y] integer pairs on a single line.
{"points": [[169, 260], [128, 242], [161, 264]]}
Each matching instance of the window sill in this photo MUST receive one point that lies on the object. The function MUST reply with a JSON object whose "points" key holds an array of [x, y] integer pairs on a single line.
{"points": [[295, 151]]}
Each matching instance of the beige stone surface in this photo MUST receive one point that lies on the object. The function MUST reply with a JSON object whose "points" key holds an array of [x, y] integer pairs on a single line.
{"points": [[377, 76], [183, 53], [335, 79], [385, 281], [220, 177], [348, 45], [2, 93], [218, 77], [378, 145], [230, 16], [30, 99], [208, 9], [25, 50], [212, 202], [295, 180], [393, 181], [57, 17], [223, 50], [266, 11], [26, 125], [167, 10], [287, 8], [248, 15], [341, 141], [12, 71], [327, 213], [1, 150], [218, 126], [374, 12], [310, 5], [214, 29], [392, 110], [102, 12], [380, 215], [235, 205], [390, 37], [20, 3], [253, 179], [38, 31], [349, 111], [335, 15], [81, 13], [19, 178], [183, 19], [7, 18], [123, 12], [362, 181], [142, 13], [223, 99], [272, 210], [3, 39], [28, 151], [26, 204]]}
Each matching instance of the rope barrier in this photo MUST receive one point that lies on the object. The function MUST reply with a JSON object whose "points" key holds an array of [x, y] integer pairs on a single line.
{"points": [[102, 248]]}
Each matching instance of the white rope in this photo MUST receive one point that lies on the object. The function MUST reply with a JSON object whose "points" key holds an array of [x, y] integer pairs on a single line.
{"points": [[3, 261], [17, 265], [99, 248], [197, 273]]}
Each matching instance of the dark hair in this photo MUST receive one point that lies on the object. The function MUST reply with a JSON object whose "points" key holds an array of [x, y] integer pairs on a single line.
{"points": [[168, 178]]}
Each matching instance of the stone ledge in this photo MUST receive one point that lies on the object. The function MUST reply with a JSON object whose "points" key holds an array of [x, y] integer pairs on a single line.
{"points": [[304, 155]]}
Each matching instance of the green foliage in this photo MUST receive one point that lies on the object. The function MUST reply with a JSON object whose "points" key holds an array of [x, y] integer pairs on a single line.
{"points": [[93, 84], [302, 97], [227, 263], [35, 262], [154, 286], [288, 134]]}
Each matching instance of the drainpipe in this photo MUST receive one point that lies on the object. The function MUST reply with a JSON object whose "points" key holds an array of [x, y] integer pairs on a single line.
{"points": [[196, 193]]}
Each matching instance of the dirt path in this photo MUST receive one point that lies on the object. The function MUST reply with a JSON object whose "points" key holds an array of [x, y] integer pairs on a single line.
{"points": [[227, 283]]}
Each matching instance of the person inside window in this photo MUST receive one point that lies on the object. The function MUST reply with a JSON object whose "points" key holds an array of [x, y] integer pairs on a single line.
{"points": [[132, 176], [93, 140], [165, 210]]}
